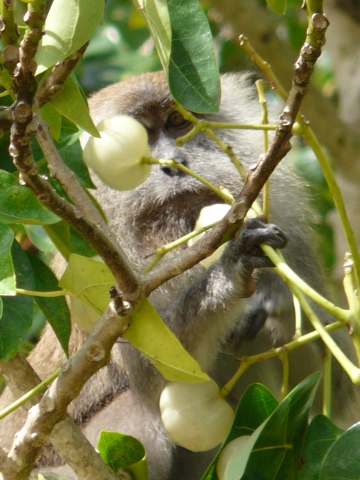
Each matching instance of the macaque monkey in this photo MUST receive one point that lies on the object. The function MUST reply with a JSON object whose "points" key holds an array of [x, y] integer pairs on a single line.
{"points": [[206, 309]]}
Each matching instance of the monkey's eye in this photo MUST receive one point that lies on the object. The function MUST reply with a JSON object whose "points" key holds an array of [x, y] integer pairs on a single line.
{"points": [[177, 124]]}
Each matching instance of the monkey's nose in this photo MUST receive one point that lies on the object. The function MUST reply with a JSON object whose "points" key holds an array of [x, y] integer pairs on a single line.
{"points": [[172, 171]]}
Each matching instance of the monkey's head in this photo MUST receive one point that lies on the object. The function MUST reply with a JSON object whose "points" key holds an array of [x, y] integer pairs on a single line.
{"points": [[170, 201], [147, 98]]}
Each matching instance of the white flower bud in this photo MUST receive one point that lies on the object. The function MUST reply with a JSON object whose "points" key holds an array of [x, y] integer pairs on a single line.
{"points": [[116, 156], [194, 415], [209, 215], [228, 453]]}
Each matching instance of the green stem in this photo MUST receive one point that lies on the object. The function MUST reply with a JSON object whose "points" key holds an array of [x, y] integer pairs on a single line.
{"points": [[283, 357], [264, 121], [34, 293], [351, 291], [27, 396], [302, 128], [170, 246], [292, 278], [352, 370], [274, 352], [9, 35], [327, 383], [306, 132], [223, 194]]}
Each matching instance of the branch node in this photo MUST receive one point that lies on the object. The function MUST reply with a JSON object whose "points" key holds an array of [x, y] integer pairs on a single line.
{"points": [[96, 352]]}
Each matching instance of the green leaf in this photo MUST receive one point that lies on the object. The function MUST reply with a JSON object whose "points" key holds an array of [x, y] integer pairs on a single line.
{"points": [[68, 241], [19, 205], [89, 280], [55, 309], [7, 273], [149, 334], [277, 450], [68, 26], [121, 451], [59, 234], [38, 237], [17, 311], [236, 464], [53, 118], [320, 436], [193, 73], [254, 407], [72, 105], [342, 460], [277, 6], [71, 153], [156, 15]]}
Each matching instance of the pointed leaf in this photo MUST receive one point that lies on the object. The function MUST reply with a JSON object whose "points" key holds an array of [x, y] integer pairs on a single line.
{"points": [[320, 436], [254, 407], [277, 6], [342, 460], [17, 311], [68, 26], [53, 118], [121, 451], [19, 205], [277, 450], [233, 468], [156, 16], [193, 72], [55, 309], [89, 280], [7, 272], [70, 103], [149, 334]]}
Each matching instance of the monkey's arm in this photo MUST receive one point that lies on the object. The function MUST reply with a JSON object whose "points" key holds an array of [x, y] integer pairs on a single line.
{"points": [[208, 310]]}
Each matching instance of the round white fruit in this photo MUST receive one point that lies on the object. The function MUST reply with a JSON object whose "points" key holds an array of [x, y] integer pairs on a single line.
{"points": [[228, 453], [194, 415], [209, 215], [116, 157]]}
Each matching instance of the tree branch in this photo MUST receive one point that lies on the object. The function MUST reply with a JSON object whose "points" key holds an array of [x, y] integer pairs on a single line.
{"points": [[66, 437], [52, 407], [54, 83]]}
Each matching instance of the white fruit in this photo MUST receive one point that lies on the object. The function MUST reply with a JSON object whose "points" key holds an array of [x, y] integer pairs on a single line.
{"points": [[116, 157], [229, 451], [209, 215], [194, 415]]}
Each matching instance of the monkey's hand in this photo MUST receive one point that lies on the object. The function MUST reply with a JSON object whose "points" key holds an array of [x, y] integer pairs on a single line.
{"points": [[245, 252], [255, 232]]}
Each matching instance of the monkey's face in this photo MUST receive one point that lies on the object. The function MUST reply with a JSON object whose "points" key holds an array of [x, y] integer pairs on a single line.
{"points": [[147, 98]]}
